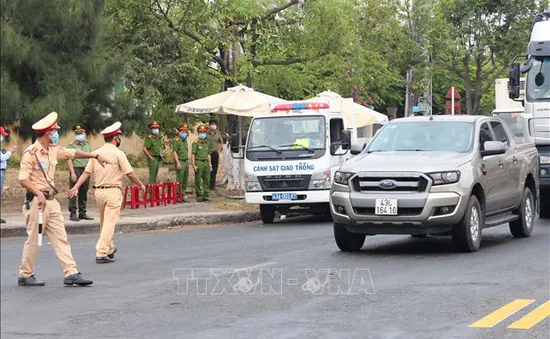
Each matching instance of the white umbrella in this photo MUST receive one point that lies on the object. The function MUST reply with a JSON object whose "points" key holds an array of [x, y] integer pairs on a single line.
{"points": [[364, 116], [239, 100]]}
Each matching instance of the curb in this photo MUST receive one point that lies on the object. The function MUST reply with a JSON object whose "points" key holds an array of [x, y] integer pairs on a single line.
{"points": [[128, 226]]}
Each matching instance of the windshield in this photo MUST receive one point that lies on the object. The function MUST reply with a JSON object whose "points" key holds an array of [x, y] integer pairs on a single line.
{"points": [[286, 133], [538, 80], [515, 120], [424, 136]]}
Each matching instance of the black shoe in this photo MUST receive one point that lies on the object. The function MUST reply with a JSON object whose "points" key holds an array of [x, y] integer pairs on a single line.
{"points": [[73, 217], [104, 260], [76, 279], [30, 281], [206, 199], [112, 255], [85, 217], [2, 221]]}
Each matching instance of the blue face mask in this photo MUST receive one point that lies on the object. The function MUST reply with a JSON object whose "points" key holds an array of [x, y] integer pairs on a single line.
{"points": [[155, 131], [202, 135], [80, 137], [183, 135], [55, 137]]}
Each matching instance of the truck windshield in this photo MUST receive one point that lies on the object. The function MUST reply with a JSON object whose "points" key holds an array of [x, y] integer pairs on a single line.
{"points": [[287, 133], [424, 136], [515, 120], [538, 80]]}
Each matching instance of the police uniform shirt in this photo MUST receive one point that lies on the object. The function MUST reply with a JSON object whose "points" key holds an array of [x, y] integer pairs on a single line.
{"points": [[215, 139], [201, 150], [110, 175], [80, 146], [181, 148], [47, 159], [152, 143]]}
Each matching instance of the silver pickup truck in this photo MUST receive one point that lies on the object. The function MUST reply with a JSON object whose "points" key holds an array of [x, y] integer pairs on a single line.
{"points": [[437, 175]]}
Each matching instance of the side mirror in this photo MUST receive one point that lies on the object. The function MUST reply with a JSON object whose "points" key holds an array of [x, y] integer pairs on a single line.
{"points": [[493, 148], [346, 139], [358, 147], [513, 81], [234, 143]]}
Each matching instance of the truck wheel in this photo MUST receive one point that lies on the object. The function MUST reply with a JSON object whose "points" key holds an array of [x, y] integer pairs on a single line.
{"points": [[467, 233], [544, 207], [523, 227], [267, 212], [347, 241]]}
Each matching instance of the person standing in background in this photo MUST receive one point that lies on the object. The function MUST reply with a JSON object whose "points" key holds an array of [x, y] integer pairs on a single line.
{"points": [[181, 157], [153, 151], [200, 160], [215, 139], [4, 157], [76, 168]]}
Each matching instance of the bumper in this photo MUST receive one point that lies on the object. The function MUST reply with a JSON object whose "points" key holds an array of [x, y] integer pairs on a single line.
{"points": [[304, 197], [417, 213]]}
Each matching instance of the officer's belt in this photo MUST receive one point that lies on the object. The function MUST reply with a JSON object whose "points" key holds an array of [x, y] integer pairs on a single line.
{"points": [[47, 195], [105, 187]]}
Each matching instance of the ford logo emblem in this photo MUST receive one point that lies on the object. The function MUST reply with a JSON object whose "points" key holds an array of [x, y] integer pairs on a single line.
{"points": [[387, 184]]}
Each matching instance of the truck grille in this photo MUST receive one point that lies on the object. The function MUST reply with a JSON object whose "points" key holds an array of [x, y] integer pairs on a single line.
{"points": [[394, 183], [284, 182]]}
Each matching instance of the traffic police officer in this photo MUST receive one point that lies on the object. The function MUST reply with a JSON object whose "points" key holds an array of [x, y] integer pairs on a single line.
{"points": [[215, 139], [76, 168], [152, 149], [202, 166], [37, 177], [181, 156], [108, 185]]}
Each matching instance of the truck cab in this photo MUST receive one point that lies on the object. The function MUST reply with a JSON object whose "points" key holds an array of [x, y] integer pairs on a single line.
{"points": [[291, 156]]}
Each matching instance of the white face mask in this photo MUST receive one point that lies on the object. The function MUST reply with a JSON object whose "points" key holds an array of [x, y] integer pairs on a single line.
{"points": [[213, 127]]}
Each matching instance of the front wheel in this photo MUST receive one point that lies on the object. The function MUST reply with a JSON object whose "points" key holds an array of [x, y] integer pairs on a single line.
{"points": [[347, 241], [523, 227], [267, 213], [467, 233]]}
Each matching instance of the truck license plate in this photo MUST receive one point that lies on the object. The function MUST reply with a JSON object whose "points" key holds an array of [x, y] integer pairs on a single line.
{"points": [[284, 196], [386, 207]]}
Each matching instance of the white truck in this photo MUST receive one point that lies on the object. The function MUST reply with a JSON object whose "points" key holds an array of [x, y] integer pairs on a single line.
{"points": [[537, 99], [291, 156]]}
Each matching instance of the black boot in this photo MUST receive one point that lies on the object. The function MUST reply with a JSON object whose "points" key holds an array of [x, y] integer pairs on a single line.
{"points": [[85, 217], [76, 279], [104, 260], [30, 281], [112, 255], [73, 217]]}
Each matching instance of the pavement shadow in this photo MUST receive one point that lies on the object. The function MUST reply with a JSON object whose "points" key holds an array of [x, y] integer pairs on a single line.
{"points": [[301, 221]]}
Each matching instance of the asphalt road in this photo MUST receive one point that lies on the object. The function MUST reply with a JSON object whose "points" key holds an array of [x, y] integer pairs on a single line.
{"points": [[289, 280]]}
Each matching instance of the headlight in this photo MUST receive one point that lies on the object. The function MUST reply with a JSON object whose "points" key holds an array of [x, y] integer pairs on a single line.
{"points": [[251, 183], [342, 178], [320, 180], [443, 178], [544, 160]]}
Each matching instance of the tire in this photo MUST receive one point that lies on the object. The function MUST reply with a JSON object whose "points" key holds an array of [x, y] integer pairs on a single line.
{"points": [[523, 227], [467, 233], [347, 241], [544, 207], [267, 212]]}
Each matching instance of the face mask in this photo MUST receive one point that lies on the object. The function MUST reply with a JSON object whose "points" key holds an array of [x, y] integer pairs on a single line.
{"points": [[202, 135], [213, 127], [55, 137], [80, 137], [183, 135], [155, 131]]}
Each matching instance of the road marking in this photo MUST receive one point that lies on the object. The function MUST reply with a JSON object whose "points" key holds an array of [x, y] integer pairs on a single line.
{"points": [[502, 313], [532, 318]]}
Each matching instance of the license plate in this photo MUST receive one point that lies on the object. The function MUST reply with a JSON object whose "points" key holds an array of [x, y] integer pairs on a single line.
{"points": [[284, 196], [386, 207]]}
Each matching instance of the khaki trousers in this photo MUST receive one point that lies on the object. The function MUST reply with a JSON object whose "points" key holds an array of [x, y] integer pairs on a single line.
{"points": [[109, 201], [54, 228]]}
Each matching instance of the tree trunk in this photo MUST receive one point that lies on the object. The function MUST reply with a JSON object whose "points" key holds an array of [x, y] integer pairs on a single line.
{"points": [[477, 94], [467, 84]]}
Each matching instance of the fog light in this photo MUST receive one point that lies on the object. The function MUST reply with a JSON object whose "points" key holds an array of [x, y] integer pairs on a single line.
{"points": [[340, 209], [543, 172], [444, 210]]}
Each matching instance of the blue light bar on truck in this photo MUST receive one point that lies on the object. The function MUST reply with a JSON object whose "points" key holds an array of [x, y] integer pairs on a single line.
{"points": [[300, 106]]}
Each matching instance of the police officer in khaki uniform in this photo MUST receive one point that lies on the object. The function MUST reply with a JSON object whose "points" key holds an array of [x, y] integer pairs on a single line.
{"points": [[108, 185], [76, 168], [153, 151], [37, 177], [181, 156], [201, 162]]}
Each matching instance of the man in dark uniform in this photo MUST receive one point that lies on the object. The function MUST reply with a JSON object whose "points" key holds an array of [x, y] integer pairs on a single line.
{"points": [[215, 139], [153, 150], [181, 156], [76, 168], [200, 160]]}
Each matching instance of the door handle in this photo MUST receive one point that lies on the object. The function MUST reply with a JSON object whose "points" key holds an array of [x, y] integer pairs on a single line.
{"points": [[514, 159], [500, 163]]}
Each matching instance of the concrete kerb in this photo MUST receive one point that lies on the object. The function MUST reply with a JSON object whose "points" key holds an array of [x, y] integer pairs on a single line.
{"points": [[137, 224]]}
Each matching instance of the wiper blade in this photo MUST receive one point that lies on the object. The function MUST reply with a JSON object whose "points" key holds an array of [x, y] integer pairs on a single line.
{"points": [[302, 146], [270, 147], [375, 151], [412, 150]]}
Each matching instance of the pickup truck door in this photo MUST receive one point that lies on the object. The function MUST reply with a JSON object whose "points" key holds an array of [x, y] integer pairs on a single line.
{"points": [[495, 176], [511, 193]]}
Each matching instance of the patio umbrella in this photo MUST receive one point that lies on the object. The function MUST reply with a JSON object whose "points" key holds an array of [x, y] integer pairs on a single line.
{"points": [[239, 100]]}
